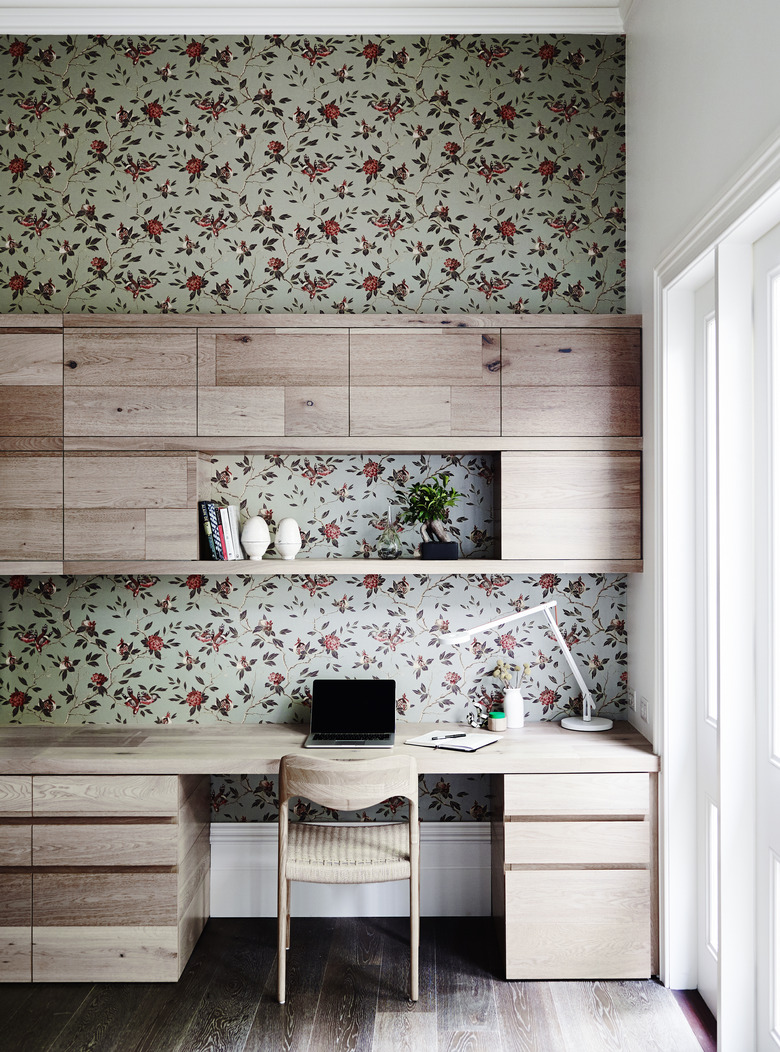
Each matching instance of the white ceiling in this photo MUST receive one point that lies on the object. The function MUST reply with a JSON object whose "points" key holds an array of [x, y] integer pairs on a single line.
{"points": [[313, 16]]}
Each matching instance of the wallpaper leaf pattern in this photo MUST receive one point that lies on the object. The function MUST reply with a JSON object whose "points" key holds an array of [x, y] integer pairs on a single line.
{"points": [[283, 173]]}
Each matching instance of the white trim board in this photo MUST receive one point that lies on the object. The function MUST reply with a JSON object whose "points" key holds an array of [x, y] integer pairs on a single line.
{"points": [[506, 17], [454, 876]]}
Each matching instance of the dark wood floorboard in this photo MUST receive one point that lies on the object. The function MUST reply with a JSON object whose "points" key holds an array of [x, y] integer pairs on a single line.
{"points": [[700, 1018], [348, 983]]}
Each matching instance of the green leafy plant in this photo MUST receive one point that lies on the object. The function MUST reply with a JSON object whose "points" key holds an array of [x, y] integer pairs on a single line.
{"points": [[428, 504]]}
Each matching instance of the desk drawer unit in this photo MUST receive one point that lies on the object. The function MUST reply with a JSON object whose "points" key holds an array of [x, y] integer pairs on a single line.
{"points": [[15, 879], [573, 877], [117, 876]]}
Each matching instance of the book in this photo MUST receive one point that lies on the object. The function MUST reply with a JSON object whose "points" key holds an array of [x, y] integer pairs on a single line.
{"points": [[216, 529], [235, 529], [208, 548], [227, 533], [464, 742]]}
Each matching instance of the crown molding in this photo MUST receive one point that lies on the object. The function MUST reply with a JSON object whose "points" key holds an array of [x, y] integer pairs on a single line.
{"points": [[509, 17]]}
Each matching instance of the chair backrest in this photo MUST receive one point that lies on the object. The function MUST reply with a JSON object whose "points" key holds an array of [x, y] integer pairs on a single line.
{"points": [[347, 785]]}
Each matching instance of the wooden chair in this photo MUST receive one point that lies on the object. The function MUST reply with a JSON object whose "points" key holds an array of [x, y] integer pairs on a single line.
{"points": [[337, 853]]}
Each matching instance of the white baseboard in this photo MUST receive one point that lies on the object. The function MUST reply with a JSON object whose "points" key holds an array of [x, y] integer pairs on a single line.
{"points": [[454, 876]]}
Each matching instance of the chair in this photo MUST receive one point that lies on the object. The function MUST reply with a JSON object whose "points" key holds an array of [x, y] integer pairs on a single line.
{"points": [[341, 853]]}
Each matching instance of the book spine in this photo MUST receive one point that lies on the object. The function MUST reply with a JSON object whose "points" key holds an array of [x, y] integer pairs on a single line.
{"points": [[209, 548], [234, 514], [216, 530], [227, 535]]}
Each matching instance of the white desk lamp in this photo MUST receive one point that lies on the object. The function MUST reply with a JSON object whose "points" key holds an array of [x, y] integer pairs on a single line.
{"points": [[586, 722]]}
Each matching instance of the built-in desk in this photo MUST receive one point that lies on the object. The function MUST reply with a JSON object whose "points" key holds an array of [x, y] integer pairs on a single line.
{"points": [[104, 846]]}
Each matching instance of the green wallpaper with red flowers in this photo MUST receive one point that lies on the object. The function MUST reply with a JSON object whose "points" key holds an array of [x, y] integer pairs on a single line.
{"points": [[270, 174]]}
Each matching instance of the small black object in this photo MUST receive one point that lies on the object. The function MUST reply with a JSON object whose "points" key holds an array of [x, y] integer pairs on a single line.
{"points": [[310, 402], [564, 350], [72, 365], [439, 549]]}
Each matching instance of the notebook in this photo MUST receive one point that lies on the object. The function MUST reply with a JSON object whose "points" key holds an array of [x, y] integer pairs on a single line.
{"points": [[352, 714], [458, 741]]}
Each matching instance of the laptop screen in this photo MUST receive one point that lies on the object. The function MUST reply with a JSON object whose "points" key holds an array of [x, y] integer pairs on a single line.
{"points": [[353, 706]]}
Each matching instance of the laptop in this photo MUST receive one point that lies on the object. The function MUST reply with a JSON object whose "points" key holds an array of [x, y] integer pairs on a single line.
{"points": [[352, 714]]}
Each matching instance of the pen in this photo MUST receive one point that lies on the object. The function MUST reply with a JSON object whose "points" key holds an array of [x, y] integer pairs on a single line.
{"points": [[438, 737]]}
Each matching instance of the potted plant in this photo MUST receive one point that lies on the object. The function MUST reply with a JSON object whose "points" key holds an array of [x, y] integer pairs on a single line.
{"points": [[427, 503]]}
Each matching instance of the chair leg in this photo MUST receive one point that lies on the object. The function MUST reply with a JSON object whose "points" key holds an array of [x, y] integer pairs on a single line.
{"points": [[282, 920], [289, 906], [414, 936]]}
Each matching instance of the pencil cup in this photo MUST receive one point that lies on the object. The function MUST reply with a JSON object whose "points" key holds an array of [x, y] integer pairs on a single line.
{"points": [[496, 721]]}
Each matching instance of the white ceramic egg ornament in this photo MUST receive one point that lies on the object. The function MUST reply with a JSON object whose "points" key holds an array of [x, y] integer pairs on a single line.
{"points": [[255, 537], [288, 539]]}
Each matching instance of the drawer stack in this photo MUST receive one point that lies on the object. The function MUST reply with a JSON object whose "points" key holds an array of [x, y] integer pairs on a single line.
{"points": [[572, 876], [116, 876]]}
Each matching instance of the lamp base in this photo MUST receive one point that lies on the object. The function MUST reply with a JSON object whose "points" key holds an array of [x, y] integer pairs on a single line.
{"points": [[577, 723]]}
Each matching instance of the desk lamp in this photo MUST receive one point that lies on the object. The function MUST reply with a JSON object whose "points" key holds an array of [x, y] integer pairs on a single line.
{"points": [[586, 722]]}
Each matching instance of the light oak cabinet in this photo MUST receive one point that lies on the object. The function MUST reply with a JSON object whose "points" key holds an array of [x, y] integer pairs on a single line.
{"points": [[133, 382], [31, 508], [141, 506], [273, 382], [103, 878], [573, 875], [30, 383], [438, 383]]}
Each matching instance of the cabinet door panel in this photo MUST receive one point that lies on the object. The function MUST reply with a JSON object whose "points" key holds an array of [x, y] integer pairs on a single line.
{"points": [[16, 795], [30, 506], [91, 954], [580, 843], [586, 412], [30, 384], [15, 844], [130, 358], [88, 796], [571, 795], [241, 410], [140, 481], [102, 898], [15, 926], [131, 411], [437, 383], [571, 505]]}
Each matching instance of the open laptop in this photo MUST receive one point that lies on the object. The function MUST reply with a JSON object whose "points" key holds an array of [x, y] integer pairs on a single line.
{"points": [[352, 714]]}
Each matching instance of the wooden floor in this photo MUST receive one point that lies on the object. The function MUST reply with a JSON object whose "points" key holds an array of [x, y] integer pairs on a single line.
{"points": [[347, 983]]}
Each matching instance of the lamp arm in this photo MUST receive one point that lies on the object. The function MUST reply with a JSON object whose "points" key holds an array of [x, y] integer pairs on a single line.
{"points": [[461, 637], [587, 700]]}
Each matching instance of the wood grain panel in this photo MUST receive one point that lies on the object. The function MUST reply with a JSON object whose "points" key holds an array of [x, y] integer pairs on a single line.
{"points": [[105, 795], [193, 920], [280, 358], [30, 480], [320, 410], [475, 410], [105, 533], [194, 870], [194, 814], [571, 795], [15, 795], [30, 359], [575, 357], [141, 481], [15, 900], [15, 954], [579, 536], [115, 954], [135, 358], [578, 843], [105, 844], [26, 536], [432, 358], [580, 924], [15, 845], [409, 411], [133, 410], [577, 411], [30, 411], [102, 898], [241, 410], [171, 534]]}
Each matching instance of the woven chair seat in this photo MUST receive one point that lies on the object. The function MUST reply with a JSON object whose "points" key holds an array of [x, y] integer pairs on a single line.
{"points": [[335, 853]]}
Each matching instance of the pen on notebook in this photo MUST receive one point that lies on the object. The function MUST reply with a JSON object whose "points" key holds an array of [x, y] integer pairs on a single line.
{"points": [[438, 737]]}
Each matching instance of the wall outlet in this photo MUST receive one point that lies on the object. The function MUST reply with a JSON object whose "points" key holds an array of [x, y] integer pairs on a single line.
{"points": [[643, 709], [632, 700]]}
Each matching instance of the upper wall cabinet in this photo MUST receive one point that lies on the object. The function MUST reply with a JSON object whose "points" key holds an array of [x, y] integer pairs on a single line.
{"points": [[30, 383], [439, 382], [571, 382], [130, 382], [273, 382]]}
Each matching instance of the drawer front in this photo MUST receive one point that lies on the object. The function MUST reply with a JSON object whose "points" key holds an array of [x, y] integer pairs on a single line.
{"points": [[106, 795], [102, 898], [133, 411], [571, 358], [15, 954], [15, 845], [15, 795], [577, 843], [31, 384], [98, 954], [575, 795], [130, 358], [15, 900], [581, 412], [124, 844], [578, 924]]}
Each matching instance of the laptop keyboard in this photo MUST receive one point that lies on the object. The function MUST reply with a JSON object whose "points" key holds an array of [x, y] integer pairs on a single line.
{"points": [[320, 737]]}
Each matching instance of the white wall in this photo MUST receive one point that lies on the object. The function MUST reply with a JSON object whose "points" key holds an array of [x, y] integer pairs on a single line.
{"points": [[703, 97]]}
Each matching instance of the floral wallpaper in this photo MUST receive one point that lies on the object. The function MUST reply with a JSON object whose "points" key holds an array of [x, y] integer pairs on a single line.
{"points": [[312, 174], [222, 647], [343, 503]]}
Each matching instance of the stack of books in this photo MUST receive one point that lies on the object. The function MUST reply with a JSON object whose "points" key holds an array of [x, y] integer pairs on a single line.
{"points": [[220, 532]]}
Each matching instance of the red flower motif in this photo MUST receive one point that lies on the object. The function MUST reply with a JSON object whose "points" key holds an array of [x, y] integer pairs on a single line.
{"points": [[371, 470], [99, 264], [507, 228], [452, 678], [275, 147], [18, 700], [451, 148], [99, 679], [547, 170], [275, 678], [154, 643], [371, 52], [331, 228], [195, 582], [451, 265], [154, 227], [331, 531], [17, 165], [194, 699], [153, 111], [547, 285], [507, 642], [194, 283], [548, 698], [18, 283], [371, 168], [330, 111], [548, 581], [548, 53], [507, 113], [194, 50], [18, 49], [331, 642], [371, 581], [371, 284], [18, 584], [194, 166], [98, 147], [274, 263]]}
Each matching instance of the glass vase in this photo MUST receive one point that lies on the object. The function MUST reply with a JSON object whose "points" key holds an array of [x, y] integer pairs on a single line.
{"points": [[389, 544]]}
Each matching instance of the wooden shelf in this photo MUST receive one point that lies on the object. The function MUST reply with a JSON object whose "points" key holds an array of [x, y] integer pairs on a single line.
{"points": [[341, 567]]}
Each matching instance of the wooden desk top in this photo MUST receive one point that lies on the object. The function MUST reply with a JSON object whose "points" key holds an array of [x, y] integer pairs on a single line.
{"points": [[256, 749]]}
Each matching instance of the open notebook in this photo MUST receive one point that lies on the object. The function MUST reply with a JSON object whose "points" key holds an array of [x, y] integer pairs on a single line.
{"points": [[460, 741]]}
